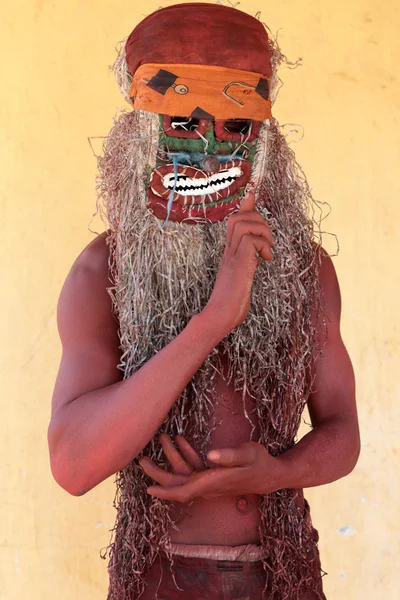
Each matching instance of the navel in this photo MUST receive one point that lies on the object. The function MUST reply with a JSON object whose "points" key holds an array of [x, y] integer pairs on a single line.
{"points": [[241, 504]]}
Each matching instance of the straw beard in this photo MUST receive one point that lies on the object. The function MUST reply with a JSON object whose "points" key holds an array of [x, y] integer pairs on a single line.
{"points": [[161, 278]]}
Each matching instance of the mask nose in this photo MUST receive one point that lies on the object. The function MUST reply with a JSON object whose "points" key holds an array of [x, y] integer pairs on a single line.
{"points": [[210, 164]]}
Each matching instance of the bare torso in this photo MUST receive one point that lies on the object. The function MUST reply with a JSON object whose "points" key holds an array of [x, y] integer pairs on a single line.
{"points": [[228, 521], [221, 521], [231, 520]]}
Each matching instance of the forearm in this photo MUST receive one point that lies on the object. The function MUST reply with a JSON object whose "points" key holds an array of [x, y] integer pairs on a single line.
{"points": [[99, 433], [327, 453]]}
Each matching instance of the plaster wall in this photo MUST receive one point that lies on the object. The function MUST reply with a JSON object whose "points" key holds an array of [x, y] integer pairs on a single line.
{"points": [[57, 91]]}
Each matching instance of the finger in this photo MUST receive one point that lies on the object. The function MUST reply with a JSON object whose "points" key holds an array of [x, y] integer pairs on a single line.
{"points": [[251, 245], [190, 454], [199, 485], [248, 202], [159, 475], [242, 456], [178, 464], [243, 227], [175, 493], [254, 217]]}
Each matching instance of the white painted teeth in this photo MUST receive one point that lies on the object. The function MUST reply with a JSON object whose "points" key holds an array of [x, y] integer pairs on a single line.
{"points": [[200, 186]]}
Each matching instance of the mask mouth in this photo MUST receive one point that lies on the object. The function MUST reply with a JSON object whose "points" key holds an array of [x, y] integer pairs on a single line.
{"points": [[197, 187], [202, 185]]}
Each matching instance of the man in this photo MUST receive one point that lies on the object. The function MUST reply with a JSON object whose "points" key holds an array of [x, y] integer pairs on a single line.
{"points": [[221, 322]]}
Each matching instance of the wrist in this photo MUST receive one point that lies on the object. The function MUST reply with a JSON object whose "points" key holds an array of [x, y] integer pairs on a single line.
{"points": [[286, 471], [213, 323], [273, 475], [281, 474]]}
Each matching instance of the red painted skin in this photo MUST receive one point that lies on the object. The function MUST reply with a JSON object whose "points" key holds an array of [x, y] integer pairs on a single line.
{"points": [[89, 393]]}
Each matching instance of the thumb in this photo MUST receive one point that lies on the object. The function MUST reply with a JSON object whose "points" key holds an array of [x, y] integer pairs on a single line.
{"points": [[241, 456], [248, 202]]}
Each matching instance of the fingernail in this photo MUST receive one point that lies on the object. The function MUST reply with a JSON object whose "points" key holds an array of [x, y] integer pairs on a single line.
{"points": [[213, 455]]}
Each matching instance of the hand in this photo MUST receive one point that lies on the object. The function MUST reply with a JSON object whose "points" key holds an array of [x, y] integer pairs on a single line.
{"points": [[248, 238], [183, 468], [247, 469]]}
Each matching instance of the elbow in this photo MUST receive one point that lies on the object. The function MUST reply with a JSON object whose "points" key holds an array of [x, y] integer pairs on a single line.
{"points": [[345, 448], [352, 453], [65, 469], [355, 453], [72, 490], [64, 476]]}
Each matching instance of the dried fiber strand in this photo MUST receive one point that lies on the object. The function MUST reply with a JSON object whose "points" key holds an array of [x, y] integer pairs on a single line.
{"points": [[160, 279]]}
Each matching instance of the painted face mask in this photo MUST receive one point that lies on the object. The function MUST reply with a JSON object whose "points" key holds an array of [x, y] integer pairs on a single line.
{"points": [[202, 168], [211, 97]]}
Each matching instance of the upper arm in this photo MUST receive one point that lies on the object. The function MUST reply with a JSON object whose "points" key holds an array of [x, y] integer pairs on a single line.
{"points": [[87, 327], [333, 394]]}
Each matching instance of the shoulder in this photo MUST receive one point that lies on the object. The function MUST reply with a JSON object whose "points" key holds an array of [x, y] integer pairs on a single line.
{"points": [[84, 297], [327, 313], [93, 260], [329, 282]]}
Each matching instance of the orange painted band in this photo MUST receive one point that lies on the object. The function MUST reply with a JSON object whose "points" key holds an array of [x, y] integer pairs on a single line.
{"points": [[201, 91]]}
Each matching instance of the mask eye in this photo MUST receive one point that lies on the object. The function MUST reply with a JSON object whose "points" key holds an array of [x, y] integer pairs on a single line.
{"points": [[184, 127], [237, 126], [184, 123], [235, 129]]}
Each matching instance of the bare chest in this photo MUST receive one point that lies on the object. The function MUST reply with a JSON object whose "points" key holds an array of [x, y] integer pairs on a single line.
{"points": [[228, 520], [235, 419]]}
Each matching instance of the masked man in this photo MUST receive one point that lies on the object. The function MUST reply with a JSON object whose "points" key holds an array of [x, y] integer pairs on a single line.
{"points": [[203, 319]]}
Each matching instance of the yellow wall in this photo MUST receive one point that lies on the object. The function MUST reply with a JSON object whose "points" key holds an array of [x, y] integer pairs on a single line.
{"points": [[57, 91]]}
